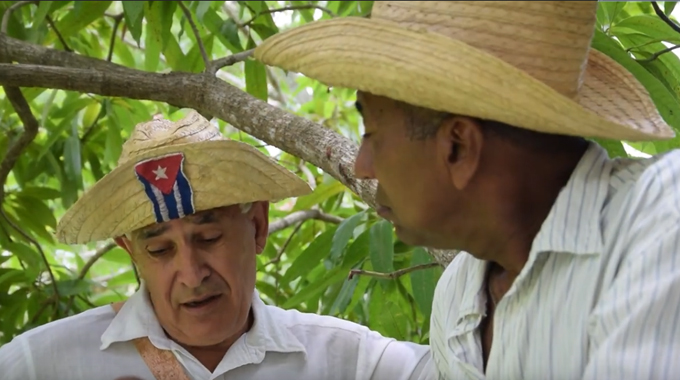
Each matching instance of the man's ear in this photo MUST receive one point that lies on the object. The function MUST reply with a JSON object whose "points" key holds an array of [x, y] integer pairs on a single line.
{"points": [[126, 244], [460, 141], [260, 218]]}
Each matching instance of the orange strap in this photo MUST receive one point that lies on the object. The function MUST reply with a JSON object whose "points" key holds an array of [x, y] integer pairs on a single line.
{"points": [[162, 363]]}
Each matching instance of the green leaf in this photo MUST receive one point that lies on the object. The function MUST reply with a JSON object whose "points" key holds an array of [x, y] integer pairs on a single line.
{"points": [[381, 247], [333, 276], [311, 256], [84, 14], [423, 281], [72, 287], [40, 192], [385, 314], [117, 255], [203, 7], [43, 10], [307, 14], [36, 210], [611, 9], [649, 26], [614, 148], [344, 232], [256, 78], [153, 42], [345, 296], [225, 30], [668, 7], [72, 160], [320, 194], [24, 253], [358, 250], [133, 11]]}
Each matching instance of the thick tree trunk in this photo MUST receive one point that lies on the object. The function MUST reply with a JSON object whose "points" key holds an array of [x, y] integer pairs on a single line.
{"points": [[48, 68]]}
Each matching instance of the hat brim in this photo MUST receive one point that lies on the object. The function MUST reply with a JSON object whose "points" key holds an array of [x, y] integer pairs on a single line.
{"points": [[430, 70], [221, 173]]}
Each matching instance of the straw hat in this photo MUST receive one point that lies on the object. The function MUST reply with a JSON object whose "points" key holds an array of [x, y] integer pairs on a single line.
{"points": [[171, 169], [524, 63]]}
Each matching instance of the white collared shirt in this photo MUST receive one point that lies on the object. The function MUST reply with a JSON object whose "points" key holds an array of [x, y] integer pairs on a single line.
{"points": [[281, 345], [599, 297]]}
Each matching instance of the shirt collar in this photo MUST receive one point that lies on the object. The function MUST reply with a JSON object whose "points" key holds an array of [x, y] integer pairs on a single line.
{"points": [[572, 226], [574, 222], [137, 319]]}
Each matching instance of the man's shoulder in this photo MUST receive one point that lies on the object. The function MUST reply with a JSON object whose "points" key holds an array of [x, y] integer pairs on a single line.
{"points": [[292, 319], [649, 184]]}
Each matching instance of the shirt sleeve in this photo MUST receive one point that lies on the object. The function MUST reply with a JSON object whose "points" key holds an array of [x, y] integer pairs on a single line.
{"points": [[16, 360], [634, 327], [382, 358]]}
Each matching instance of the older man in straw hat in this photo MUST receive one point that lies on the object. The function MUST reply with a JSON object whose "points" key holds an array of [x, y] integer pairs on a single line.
{"points": [[476, 117], [191, 209]]}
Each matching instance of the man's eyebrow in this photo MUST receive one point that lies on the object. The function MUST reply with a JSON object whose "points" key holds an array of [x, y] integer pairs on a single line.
{"points": [[152, 232], [203, 218], [359, 107]]}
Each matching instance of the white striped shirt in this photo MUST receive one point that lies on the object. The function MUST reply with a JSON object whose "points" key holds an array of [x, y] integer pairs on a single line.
{"points": [[599, 297]]}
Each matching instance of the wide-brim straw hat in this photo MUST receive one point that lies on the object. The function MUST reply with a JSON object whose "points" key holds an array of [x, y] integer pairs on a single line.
{"points": [[168, 170], [525, 63]]}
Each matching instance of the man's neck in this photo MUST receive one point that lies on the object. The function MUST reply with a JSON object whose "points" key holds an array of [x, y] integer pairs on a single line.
{"points": [[211, 356], [521, 213]]}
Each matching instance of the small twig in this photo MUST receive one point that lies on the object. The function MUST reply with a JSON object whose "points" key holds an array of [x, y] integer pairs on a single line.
{"points": [[37, 246], [391, 275], [665, 18], [56, 31], [658, 53], [116, 21], [97, 255], [278, 256], [230, 60], [290, 8], [9, 11], [30, 132], [301, 216], [187, 14]]}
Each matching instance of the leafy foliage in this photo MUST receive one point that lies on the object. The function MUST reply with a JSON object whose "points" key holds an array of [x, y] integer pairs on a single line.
{"points": [[305, 265]]}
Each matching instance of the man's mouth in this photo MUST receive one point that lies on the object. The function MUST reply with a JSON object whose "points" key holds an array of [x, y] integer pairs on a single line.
{"points": [[202, 301]]}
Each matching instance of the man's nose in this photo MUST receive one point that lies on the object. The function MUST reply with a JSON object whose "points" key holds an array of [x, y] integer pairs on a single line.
{"points": [[191, 266], [363, 165]]}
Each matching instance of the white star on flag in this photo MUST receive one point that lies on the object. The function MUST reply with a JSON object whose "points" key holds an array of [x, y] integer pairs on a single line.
{"points": [[160, 173]]}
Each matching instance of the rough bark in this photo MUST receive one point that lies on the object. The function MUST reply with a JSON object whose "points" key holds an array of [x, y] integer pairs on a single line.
{"points": [[48, 68]]}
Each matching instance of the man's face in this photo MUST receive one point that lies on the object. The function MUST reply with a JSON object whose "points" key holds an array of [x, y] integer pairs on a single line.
{"points": [[200, 271], [414, 190]]}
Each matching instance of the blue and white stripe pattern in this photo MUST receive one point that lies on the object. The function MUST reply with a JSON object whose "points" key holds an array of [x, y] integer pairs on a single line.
{"points": [[599, 297]]}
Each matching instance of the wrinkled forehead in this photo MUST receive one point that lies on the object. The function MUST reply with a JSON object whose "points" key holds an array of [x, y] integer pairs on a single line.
{"points": [[199, 218]]}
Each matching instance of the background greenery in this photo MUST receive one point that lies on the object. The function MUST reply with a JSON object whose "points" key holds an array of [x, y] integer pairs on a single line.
{"points": [[318, 239]]}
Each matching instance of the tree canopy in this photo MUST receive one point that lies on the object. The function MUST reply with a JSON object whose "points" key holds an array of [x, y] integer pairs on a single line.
{"points": [[77, 77]]}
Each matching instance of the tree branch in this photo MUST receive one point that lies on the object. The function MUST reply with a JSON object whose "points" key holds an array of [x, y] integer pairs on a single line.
{"points": [[663, 17], [290, 8], [37, 246], [658, 53], [204, 54], [391, 275], [30, 131], [9, 11], [284, 246], [230, 60], [97, 255], [116, 21], [311, 142], [301, 216], [56, 31]]}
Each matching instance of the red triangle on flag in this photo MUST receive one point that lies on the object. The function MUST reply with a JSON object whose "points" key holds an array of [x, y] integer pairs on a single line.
{"points": [[161, 172]]}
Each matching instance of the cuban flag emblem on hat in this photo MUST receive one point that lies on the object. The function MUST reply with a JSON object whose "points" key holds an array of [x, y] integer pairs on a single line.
{"points": [[167, 186]]}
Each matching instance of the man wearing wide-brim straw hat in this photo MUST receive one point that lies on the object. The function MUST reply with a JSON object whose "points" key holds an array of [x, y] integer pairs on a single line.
{"points": [[476, 118], [191, 209]]}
